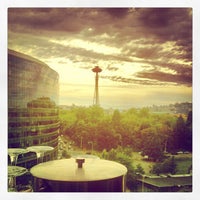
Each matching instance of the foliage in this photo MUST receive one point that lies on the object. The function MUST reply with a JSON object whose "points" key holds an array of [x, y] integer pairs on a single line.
{"points": [[184, 165], [174, 165], [139, 169], [65, 154], [116, 118], [183, 108], [120, 155], [182, 134], [42, 102], [137, 129], [153, 144], [168, 166]]}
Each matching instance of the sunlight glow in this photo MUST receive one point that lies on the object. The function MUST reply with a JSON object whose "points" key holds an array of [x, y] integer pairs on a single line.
{"points": [[167, 70], [89, 46]]}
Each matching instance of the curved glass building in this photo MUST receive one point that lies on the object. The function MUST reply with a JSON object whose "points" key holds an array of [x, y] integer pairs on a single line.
{"points": [[33, 91]]}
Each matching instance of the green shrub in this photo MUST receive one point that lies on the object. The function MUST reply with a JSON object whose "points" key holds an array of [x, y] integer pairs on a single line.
{"points": [[168, 166]]}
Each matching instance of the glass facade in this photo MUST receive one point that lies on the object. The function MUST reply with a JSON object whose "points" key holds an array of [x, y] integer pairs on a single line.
{"points": [[33, 117], [29, 79]]}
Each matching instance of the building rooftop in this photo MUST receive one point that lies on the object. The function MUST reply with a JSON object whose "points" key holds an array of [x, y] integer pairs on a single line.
{"points": [[168, 181], [29, 58]]}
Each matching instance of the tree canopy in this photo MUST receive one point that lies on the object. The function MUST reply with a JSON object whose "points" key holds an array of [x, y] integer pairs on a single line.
{"points": [[142, 130]]}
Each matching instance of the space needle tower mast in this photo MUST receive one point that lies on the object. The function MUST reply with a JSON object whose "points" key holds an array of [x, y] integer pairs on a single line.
{"points": [[96, 91]]}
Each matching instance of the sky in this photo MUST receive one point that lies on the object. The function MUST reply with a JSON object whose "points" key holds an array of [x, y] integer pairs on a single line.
{"points": [[145, 53]]}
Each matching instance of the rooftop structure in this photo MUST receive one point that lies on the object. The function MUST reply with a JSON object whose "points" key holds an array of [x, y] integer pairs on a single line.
{"points": [[167, 183]]}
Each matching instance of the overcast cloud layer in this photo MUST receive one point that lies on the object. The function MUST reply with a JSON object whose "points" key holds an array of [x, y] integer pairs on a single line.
{"points": [[134, 47]]}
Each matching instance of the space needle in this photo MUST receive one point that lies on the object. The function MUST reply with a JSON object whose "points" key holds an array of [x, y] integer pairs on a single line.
{"points": [[96, 70]]}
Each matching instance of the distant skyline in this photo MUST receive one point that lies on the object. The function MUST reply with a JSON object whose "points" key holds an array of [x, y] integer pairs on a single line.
{"points": [[145, 53]]}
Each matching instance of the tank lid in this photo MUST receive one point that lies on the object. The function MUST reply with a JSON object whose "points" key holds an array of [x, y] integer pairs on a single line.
{"points": [[67, 170]]}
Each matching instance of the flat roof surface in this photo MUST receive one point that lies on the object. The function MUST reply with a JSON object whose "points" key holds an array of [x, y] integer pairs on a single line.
{"points": [[168, 181]]}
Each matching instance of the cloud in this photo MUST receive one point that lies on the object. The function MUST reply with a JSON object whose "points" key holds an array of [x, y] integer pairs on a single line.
{"points": [[152, 37], [117, 12], [172, 24], [152, 52], [43, 48], [185, 79], [135, 81], [44, 19], [111, 68], [160, 24]]}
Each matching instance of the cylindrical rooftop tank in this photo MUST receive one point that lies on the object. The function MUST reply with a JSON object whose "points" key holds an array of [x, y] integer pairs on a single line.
{"points": [[79, 175]]}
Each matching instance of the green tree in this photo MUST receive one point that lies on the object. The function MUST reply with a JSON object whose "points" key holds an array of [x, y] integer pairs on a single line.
{"points": [[189, 119], [138, 129], [65, 154], [120, 156], [168, 166], [104, 154], [112, 154], [139, 169], [152, 144], [106, 137], [144, 112], [180, 134], [188, 143], [157, 169], [116, 117]]}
